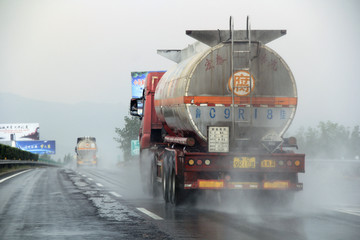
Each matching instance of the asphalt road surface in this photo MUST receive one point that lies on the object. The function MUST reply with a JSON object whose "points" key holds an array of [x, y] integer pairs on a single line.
{"points": [[108, 203]]}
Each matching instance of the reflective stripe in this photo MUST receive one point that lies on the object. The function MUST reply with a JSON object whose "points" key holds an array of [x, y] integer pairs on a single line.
{"points": [[212, 100]]}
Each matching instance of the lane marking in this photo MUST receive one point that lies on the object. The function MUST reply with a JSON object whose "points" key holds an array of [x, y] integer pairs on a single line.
{"points": [[90, 179], [355, 212], [7, 178], [150, 214], [115, 194], [99, 184]]}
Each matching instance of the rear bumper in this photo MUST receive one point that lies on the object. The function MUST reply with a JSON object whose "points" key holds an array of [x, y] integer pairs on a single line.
{"points": [[243, 171], [222, 184], [245, 162], [86, 163]]}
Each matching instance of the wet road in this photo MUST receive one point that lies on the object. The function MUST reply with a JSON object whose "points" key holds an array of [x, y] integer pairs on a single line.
{"points": [[50, 203], [108, 203]]}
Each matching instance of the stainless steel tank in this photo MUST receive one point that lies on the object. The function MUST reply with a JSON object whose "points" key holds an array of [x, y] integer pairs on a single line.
{"points": [[198, 91]]}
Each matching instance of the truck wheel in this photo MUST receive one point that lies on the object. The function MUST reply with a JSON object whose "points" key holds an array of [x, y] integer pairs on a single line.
{"points": [[165, 182], [172, 187], [173, 193], [176, 194]]}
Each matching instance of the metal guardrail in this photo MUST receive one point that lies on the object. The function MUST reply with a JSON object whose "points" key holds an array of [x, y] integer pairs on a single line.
{"points": [[31, 163]]}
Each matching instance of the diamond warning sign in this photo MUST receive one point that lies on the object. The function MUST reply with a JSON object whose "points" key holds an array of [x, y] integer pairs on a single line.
{"points": [[242, 85]]}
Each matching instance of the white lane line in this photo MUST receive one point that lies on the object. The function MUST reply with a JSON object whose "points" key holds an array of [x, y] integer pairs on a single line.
{"points": [[7, 178], [99, 184], [355, 212], [90, 179], [150, 214], [115, 194]]}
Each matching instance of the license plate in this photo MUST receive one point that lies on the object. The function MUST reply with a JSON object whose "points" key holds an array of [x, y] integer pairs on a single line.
{"points": [[244, 162], [267, 163]]}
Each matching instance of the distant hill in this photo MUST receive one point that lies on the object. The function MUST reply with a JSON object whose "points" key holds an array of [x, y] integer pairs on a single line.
{"points": [[65, 122]]}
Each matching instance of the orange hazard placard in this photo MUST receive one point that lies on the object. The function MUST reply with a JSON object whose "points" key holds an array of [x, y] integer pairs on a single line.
{"points": [[242, 84]]}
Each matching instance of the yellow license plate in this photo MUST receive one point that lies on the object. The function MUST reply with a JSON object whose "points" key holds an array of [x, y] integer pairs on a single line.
{"points": [[244, 162], [267, 163]]}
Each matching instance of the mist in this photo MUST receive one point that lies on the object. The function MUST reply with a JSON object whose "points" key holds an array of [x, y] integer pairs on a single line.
{"points": [[84, 51], [67, 64]]}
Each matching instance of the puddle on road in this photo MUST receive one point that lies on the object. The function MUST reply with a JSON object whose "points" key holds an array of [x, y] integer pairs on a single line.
{"points": [[118, 215], [106, 206]]}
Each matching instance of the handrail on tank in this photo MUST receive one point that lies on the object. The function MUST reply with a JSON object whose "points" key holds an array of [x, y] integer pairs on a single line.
{"points": [[232, 77]]}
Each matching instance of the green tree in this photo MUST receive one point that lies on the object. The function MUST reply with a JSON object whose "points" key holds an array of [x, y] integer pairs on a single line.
{"points": [[334, 140], [355, 142], [309, 141], [129, 132], [329, 140], [45, 157]]}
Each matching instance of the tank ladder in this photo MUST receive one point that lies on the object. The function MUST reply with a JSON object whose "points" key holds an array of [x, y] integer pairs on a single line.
{"points": [[240, 54]]}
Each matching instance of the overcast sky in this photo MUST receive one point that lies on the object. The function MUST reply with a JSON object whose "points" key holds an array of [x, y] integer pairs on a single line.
{"points": [[84, 50]]}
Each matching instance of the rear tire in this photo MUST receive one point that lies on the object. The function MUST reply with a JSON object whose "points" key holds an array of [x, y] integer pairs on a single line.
{"points": [[165, 182], [176, 194]]}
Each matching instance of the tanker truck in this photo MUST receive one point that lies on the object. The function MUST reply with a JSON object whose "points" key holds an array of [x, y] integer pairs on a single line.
{"points": [[216, 120], [86, 151]]}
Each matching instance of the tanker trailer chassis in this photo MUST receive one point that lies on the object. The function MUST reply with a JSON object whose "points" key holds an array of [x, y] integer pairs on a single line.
{"points": [[178, 172]]}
